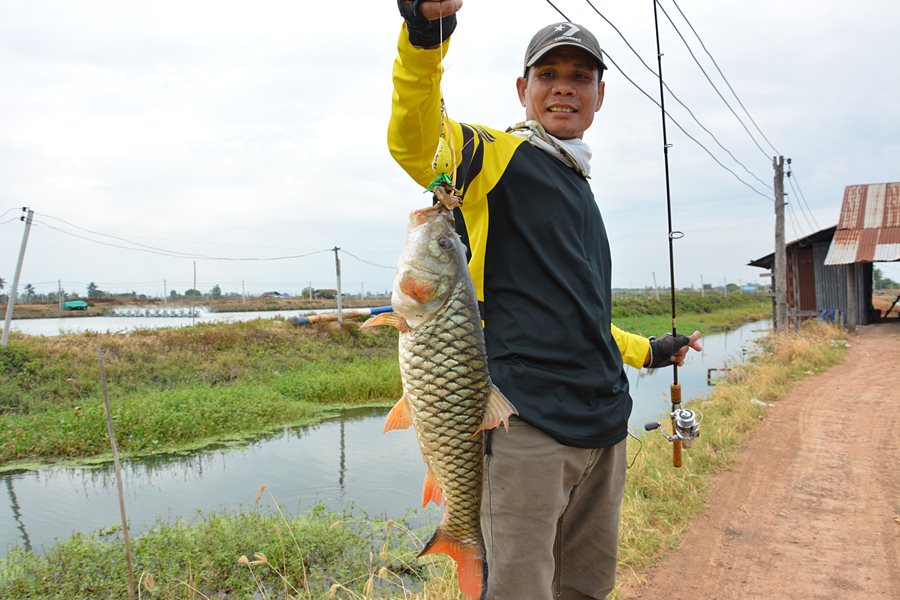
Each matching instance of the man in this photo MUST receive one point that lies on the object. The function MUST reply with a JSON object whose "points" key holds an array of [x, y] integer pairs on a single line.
{"points": [[539, 258]]}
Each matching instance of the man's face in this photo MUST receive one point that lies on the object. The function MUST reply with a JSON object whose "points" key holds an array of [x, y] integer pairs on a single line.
{"points": [[562, 92]]}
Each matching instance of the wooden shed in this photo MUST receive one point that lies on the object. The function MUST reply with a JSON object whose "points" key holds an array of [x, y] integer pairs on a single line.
{"points": [[826, 268]]}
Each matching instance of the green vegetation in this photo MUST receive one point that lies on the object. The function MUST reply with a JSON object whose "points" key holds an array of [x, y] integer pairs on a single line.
{"points": [[177, 388], [323, 554], [238, 554], [714, 312], [174, 389]]}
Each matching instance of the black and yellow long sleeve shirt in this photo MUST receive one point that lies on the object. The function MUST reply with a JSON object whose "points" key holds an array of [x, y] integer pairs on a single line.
{"points": [[539, 258]]}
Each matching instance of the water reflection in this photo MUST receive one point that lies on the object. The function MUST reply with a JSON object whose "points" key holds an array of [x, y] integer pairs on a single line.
{"points": [[340, 463], [347, 461]]}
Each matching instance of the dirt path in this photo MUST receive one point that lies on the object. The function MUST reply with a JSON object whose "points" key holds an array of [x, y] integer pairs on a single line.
{"points": [[810, 510]]}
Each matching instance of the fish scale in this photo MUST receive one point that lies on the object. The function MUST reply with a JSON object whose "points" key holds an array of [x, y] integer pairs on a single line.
{"points": [[448, 395], [445, 400]]}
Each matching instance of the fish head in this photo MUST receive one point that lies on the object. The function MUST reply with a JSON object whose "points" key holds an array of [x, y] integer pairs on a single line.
{"points": [[432, 262]]}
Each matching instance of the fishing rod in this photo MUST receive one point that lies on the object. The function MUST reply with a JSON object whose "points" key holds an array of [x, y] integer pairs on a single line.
{"points": [[685, 427]]}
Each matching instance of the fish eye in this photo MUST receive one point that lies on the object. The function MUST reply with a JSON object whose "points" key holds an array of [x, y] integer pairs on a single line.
{"points": [[444, 243]]}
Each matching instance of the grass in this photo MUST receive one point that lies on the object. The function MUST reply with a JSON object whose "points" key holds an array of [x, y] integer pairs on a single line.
{"points": [[660, 501], [181, 388], [346, 556], [178, 388]]}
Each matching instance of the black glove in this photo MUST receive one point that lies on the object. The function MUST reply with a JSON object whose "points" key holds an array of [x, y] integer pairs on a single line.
{"points": [[422, 32], [663, 349]]}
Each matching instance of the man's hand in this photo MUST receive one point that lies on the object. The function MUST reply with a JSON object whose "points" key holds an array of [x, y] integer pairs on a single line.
{"points": [[429, 22], [435, 9], [671, 350]]}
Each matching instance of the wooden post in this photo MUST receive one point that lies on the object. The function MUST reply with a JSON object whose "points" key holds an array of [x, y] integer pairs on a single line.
{"points": [[118, 468], [780, 270], [851, 297]]}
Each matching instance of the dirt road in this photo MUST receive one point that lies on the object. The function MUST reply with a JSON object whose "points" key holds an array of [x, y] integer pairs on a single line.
{"points": [[812, 507]]}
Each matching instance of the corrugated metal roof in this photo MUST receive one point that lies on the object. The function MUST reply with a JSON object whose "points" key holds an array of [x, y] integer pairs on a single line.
{"points": [[869, 227]]}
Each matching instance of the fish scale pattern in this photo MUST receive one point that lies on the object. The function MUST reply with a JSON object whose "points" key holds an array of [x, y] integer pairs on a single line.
{"points": [[444, 368]]}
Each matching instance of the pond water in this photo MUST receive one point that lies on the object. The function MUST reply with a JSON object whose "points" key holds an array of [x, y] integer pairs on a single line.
{"points": [[105, 324], [341, 463]]}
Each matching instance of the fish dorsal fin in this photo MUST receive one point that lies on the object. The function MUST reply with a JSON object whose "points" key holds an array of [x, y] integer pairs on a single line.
{"points": [[400, 416], [497, 411], [431, 490]]}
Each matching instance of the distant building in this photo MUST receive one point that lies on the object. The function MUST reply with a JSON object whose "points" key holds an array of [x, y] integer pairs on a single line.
{"points": [[829, 266]]}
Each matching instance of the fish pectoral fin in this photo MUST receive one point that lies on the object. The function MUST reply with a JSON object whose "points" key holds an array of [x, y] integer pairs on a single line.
{"points": [[400, 416], [497, 411], [469, 561], [431, 490], [391, 319]]}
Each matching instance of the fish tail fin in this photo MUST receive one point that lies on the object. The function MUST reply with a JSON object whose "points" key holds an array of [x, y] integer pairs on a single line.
{"points": [[470, 565]]}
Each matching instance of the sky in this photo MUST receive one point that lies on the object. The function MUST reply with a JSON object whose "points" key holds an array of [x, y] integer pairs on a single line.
{"points": [[238, 130]]}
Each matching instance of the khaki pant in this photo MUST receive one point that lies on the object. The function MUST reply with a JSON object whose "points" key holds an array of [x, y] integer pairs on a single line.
{"points": [[550, 516]]}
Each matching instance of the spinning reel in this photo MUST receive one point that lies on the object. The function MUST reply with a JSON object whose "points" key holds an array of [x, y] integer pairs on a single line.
{"points": [[685, 425]]}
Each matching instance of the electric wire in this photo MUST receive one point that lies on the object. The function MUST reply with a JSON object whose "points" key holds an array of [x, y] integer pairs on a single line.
{"points": [[165, 252], [368, 262], [725, 79], [705, 74], [795, 225], [678, 100], [674, 121], [792, 175], [9, 210], [805, 212], [10, 220]]}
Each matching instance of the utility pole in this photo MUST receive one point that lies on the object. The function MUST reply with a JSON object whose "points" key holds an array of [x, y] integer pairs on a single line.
{"points": [[654, 286], [702, 287], [15, 284], [243, 292], [780, 271], [59, 293], [165, 293], [337, 268]]}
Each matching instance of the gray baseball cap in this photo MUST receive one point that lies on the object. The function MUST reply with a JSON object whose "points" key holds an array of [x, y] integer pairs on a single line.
{"points": [[563, 34]]}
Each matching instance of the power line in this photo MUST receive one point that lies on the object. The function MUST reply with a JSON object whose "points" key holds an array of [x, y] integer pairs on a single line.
{"points": [[678, 100], [805, 212], [795, 183], [725, 79], [674, 121], [705, 74], [162, 251], [368, 262]]}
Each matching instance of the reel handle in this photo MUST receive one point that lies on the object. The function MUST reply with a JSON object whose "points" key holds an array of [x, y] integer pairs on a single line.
{"points": [[675, 391]]}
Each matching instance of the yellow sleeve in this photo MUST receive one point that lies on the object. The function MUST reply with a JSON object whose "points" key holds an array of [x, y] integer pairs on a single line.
{"points": [[415, 125], [634, 348]]}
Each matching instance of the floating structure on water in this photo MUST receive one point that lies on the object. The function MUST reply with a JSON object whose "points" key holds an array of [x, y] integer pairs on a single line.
{"points": [[177, 312]]}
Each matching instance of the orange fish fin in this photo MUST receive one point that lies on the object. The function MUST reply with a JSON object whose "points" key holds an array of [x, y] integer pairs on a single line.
{"points": [[391, 319], [469, 562], [400, 416], [431, 490], [497, 411]]}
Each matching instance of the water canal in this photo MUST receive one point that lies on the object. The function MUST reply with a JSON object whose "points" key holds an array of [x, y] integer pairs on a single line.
{"points": [[346, 462]]}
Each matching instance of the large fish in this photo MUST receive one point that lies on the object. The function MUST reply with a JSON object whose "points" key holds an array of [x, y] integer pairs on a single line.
{"points": [[447, 392]]}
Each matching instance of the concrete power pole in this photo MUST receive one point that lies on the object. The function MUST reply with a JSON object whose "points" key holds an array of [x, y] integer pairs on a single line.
{"points": [[337, 269], [779, 273], [15, 283]]}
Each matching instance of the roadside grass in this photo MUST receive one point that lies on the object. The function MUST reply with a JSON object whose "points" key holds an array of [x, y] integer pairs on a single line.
{"points": [[348, 556], [660, 501]]}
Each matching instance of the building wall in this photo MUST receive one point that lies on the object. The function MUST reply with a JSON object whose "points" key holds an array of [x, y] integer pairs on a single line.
{"points": [[831, 286]]}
